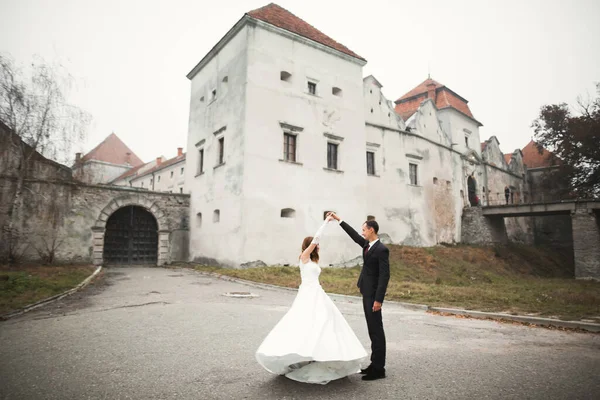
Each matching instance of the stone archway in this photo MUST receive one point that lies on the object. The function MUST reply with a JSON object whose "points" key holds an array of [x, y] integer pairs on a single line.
{"points": [[99, 228], [131, 237]]}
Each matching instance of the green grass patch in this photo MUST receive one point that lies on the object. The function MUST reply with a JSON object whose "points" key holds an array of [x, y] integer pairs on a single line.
{"points": [[24, 285], [515, 279]]}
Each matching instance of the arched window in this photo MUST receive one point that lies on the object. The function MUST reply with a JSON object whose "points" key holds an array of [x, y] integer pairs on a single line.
{"points": [[285, 76], [288, 213], [216, 215]]}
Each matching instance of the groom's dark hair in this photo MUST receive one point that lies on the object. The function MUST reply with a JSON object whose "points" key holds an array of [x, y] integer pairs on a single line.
{"points": [[373, 224]]}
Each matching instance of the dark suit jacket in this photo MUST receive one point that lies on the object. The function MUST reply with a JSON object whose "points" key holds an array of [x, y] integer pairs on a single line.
{"points": [[375, 273]]}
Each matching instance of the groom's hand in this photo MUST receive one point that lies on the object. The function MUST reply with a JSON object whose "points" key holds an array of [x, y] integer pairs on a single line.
{"points": [[333, 215], [376, 306]]}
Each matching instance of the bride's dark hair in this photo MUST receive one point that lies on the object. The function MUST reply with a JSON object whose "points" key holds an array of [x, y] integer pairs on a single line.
{"points": [[314, 256]]}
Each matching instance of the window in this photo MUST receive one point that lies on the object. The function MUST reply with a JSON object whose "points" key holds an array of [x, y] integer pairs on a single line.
{"points": [[142, 184], [370, 163], [336, 91], [289, 147], [312, 88], [181, 172], [216, 216], [467, 141], [221, 150], [288, 213], [159, 178], [202, 99], [151, 180], [332, 155], [180, 190], [225, 80], [214, 94], [171, 174], [435, 180], [200, 161], [285, 76], [198, 220], [412, 169]]}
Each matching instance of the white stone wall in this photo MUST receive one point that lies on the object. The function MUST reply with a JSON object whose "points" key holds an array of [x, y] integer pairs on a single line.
{"points": [[98, 172], [428, 212], [306, 186], [218, 187], [169, 179], [261, 79]]}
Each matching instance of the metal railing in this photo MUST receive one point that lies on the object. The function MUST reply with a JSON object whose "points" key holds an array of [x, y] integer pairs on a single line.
{"points": [[517, 198]]}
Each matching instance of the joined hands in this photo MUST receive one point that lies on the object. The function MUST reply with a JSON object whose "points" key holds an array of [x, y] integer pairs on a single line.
{"points": [[332, 215]]}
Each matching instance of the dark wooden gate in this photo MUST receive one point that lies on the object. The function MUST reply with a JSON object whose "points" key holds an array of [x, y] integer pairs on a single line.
{"points": [[131, 237]]}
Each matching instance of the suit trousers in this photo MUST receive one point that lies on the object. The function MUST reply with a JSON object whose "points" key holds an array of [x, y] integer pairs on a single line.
{"points": [[376, 333]]}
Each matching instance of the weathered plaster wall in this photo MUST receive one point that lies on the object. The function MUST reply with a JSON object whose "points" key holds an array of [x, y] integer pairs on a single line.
{"points": [[218, 188], [169, 179], [428, 212], [60, 210], [97, 172], [275, 106]]}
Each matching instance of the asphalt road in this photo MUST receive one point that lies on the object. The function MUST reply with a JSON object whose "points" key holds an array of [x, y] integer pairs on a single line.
{"points": [[153, 333]]}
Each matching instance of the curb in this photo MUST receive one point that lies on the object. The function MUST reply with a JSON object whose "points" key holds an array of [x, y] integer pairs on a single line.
{"points": [[56, 297], [587, 326], [548, 322]]}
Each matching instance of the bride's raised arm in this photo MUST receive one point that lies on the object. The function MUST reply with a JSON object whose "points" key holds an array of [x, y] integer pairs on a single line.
{"points": [[306, 253]]}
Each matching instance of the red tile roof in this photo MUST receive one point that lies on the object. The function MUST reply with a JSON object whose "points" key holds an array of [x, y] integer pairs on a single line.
{"points": [[114, 151], [507, 158], [282, 18], [420, 89], [532, 158], [164, 164], [444, 97]]}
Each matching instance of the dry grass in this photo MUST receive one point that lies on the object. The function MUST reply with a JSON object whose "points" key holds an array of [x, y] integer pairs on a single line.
{"points": [[23, 285], [515, 279]]}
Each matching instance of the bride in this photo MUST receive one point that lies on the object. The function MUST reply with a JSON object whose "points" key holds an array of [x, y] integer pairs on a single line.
{"points": [[312, 343]]}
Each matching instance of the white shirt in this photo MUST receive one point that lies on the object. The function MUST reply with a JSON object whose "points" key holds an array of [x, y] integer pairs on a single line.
{"points": [[372, 243]]}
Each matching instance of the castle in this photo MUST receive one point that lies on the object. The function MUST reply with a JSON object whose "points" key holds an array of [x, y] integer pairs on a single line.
{"points": [[284, 128]]}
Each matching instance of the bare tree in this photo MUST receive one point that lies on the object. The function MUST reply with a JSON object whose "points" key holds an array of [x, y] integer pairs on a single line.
{"points": [[34, 105]]}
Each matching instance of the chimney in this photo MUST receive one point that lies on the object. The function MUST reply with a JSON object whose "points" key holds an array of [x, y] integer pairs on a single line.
{"points": [[179, 151], [431, 91], [77, 157], [158, 160]]}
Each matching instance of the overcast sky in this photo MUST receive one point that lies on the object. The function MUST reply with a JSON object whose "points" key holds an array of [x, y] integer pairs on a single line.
{"points": [[130, 57]]}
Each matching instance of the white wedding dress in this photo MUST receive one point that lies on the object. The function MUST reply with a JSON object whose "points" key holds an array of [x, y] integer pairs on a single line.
{"points": [[312, 343]]}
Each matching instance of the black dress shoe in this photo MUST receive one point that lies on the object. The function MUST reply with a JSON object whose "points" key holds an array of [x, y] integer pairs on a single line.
{"points": [[374, 374], [366, 370]]}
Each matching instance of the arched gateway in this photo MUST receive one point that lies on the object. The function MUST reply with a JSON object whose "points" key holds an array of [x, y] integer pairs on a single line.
{"points": [[131, 237], [131, 230]]}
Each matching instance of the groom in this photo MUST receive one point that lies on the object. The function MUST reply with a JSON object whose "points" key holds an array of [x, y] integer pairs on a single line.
{"points": [[373, 281]]}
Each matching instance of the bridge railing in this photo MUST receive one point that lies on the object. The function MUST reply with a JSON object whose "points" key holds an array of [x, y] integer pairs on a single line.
{"points": [[517, 198]]}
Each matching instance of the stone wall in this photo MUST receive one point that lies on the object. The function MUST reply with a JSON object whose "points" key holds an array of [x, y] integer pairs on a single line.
{"points": [[555, 231], [67, 217], [477, 229], [586, 243]]}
